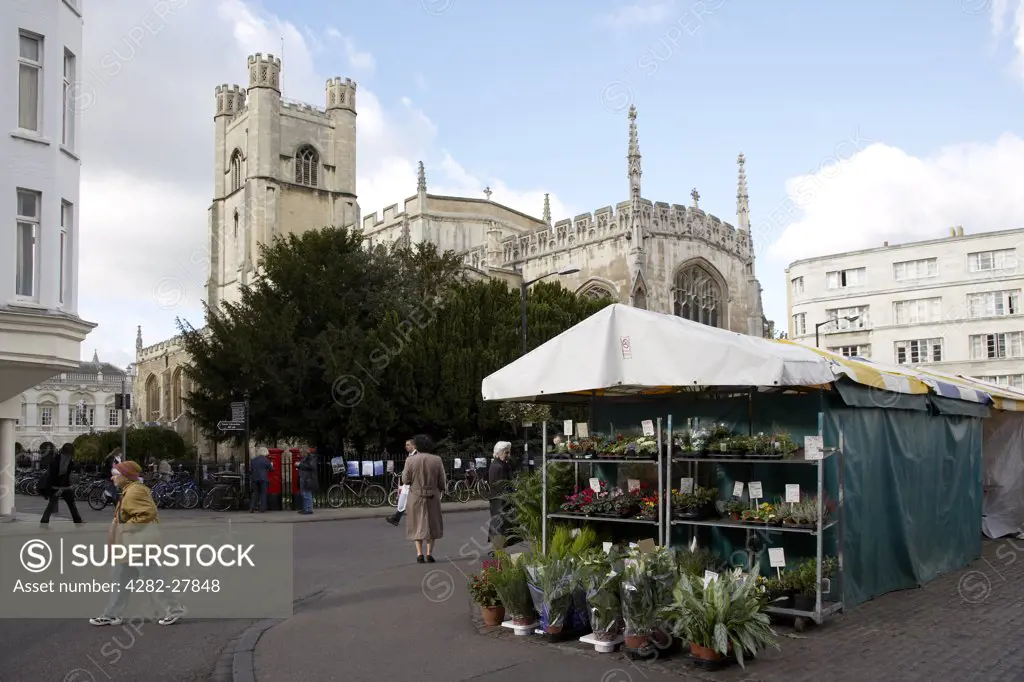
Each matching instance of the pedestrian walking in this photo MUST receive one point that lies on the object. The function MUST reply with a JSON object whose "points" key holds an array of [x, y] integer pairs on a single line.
{"points": [[424, 473], [410, 449], [499, 479], [259, 476], [57, 484], [307, 481], [135, 522]]}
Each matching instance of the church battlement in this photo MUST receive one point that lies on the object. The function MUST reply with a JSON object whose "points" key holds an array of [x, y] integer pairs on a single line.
{"points": [[230, 99], [288, 104], [264, 71], [158, 349]]}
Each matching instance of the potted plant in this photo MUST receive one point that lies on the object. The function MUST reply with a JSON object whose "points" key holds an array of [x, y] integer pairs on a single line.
{"points": [[725, 617], [734, 509], [805, 581], [604, 603], [696, 505], [639, 611], [509, 582], [696, 562], [649, 507], [481, 589], [552, 581], [740, 446]]}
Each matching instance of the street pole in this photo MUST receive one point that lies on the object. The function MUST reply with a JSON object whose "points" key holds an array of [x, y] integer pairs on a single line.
{"points": [[522, 314], [124, 430], [248, 492]]}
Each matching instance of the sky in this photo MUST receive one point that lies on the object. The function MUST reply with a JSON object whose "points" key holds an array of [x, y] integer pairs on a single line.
{"points": [[887, 122]]}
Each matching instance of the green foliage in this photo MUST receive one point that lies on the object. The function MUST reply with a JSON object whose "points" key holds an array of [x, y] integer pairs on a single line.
{"points": [[509, 581], [338, 343], [145, 444], [525, 499]]}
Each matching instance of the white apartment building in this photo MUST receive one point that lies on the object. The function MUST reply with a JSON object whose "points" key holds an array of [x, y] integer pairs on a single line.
{"points": [[952, 303], [40, 331]]}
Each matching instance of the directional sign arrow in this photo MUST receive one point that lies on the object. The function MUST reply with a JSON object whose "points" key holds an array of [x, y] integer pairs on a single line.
{"points": [[230, 426]]}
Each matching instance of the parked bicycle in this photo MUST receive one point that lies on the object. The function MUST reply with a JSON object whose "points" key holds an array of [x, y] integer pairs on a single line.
{"points": [[394, 481], [225, 493], [179, 492], [473, 486], [344, 493]]}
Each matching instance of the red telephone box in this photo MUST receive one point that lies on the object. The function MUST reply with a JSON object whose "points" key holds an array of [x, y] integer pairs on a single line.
{"points": [[274, 479]]}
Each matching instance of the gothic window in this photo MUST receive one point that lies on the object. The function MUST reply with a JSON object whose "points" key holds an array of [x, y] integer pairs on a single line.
{"points": [[176, 397], [596, 292], [698, 296], [152, 399], [236, 170], [307, 163]]}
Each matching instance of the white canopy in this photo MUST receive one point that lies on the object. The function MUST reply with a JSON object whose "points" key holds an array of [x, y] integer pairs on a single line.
{"points": [[622, 350]]}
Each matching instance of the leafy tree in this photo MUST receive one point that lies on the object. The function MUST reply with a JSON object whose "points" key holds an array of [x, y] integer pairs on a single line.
{"points": [[145, 444]]}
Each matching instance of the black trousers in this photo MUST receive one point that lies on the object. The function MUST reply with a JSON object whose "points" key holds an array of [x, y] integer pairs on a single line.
{"points": [[54, 499], [259, 496]]}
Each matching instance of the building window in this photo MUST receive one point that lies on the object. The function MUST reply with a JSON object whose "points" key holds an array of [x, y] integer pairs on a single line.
{"points": [[848, 319], [28, 243], [30, 67], [1011, 380], [67, 221], [852, 351], [307, 164], [81, 415], [917, 311], [112, 417], [236, 170], [799, 324], [915, 269], [918, 351], [46, 416], [67, 135], [993, 303], [698, 296], [989, 261], [996, 346], [841, 279], [797, 284]]}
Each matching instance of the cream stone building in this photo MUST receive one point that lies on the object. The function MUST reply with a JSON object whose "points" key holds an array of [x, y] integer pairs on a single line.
{"points": [[285, 167]]}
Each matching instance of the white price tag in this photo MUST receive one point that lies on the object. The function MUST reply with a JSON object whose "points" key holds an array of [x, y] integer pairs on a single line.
{"points": [[582, 430], [595, 485], [777, 557], [755, 490], [633, 484], [575, 532], [737, 489], [567, 428], [648, 427], [607, 547], [458, 463], [793, 493], [686, 486], [813, 447], [709, 576]]}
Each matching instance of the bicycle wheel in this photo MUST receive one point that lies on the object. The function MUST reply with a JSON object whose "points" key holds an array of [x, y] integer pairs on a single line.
{"points": [[98, 498], [393, 498], [375, 495], [483, 490], [335, 496], [189, 498], [462, 492], [219, 498]]}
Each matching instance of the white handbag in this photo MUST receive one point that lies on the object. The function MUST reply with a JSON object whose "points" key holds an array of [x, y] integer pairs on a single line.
{"points": [[403, 497]]}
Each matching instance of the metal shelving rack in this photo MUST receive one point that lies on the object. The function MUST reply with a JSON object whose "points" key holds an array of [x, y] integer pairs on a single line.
{"points": [[659, 461], [821, 611]]}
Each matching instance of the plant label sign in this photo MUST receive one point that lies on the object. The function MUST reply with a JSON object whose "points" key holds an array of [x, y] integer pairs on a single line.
{"points": [[793, 493], [575, 532], [582, 430], [693, 544], [756, 493], [709, 576], [634, 485], [813, 447], [481, 462], [595, 485], [777, 557], [648, 426], [646, 546], [686, 486], [567, 428], [607, 547], [737, 489]]}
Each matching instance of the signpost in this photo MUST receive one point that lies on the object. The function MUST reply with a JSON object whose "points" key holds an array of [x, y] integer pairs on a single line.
{"points": [[240, 422]]}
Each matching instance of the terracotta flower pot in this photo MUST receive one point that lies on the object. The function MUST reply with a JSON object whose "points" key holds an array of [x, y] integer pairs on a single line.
{"points": [[493, 615], [636, 641], [704, 653], [523, 620], [554, 629]]}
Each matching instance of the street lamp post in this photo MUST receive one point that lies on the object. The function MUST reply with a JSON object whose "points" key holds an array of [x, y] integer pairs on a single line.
{"points": [[524, 284], [125, 405], [819, 325]]}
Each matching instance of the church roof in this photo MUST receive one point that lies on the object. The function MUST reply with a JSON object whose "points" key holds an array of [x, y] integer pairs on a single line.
{"points": [[94, 366]]}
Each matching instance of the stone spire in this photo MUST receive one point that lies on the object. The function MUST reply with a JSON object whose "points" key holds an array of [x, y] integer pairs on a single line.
{"points": [[138, 340], [633, 157], [742, 199], [638, 265], [421, 180], [547, 209]]}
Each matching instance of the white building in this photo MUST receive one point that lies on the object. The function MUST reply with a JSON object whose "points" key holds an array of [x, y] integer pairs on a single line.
{"points": [[65, 406], [40, 331], [952, 303]]}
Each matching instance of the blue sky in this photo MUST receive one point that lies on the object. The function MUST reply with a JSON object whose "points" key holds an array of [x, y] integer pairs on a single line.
{"points": [[913, 109]]}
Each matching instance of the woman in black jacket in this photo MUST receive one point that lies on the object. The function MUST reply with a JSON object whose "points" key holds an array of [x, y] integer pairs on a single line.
{"points": [[57, 484], [499, 478]]}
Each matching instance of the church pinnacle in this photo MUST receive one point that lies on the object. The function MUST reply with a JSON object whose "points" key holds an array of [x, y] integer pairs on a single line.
{"points": [[547, 209], [742, 199], [421, 180], [633, 157]]}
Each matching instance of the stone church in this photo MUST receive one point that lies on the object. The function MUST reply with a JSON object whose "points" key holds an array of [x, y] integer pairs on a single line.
{"points": [[286, 167]]}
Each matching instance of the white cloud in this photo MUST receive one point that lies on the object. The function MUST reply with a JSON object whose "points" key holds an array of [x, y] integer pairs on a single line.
{"points": [[884, 194], [1007, 16], [637, 14], [146, 179]]}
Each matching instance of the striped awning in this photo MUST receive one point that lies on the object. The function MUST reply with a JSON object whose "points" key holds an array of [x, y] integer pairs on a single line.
{"points": [[865, 373]]}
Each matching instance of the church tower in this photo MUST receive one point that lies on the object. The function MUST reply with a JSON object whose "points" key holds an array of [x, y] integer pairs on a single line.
{"points": [[279, 167], [637, 233]]}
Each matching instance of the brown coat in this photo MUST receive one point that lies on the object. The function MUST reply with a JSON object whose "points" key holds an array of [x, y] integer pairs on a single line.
{"points": [[424, 473]]}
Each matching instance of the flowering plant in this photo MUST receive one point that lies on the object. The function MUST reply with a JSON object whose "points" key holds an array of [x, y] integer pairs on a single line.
{"points": [[482, 590]]}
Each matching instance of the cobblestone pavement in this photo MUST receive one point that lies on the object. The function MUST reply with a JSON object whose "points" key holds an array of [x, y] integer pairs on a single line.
{"points": [[962, 626]]}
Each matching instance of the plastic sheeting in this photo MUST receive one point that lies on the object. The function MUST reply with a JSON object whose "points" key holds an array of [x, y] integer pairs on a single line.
{"points": [[1004, 474]]}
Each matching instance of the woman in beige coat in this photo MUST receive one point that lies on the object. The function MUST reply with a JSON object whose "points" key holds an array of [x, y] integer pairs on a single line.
{"points": [[424, 474]]}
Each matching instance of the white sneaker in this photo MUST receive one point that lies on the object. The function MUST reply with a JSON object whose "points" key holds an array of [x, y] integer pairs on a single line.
{"points": [[172, 617], [104, 620]]}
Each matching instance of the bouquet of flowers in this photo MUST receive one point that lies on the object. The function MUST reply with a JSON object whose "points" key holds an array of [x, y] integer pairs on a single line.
{"points": [[552, 582]]}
